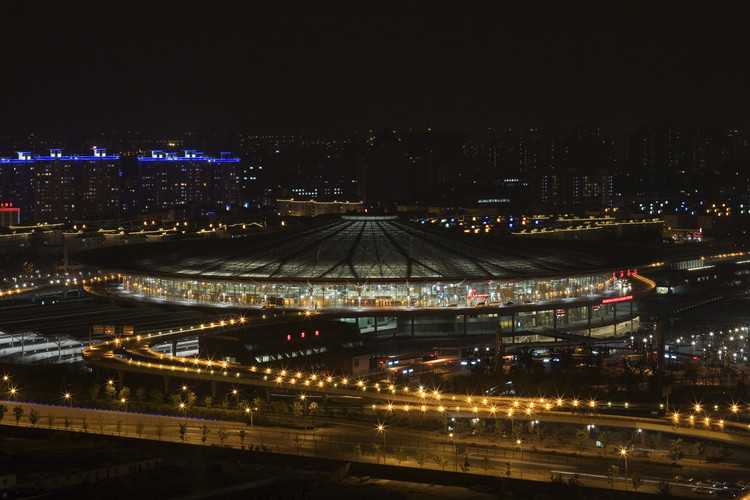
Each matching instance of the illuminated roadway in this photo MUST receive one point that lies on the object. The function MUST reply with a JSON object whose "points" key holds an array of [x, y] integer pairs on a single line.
{"points": [[133, 354]]}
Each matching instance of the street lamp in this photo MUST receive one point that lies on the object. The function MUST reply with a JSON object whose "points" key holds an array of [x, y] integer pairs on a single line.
{"points": [[124, 402], [68, 399], [249, 411], [13, 393], [304, 414], [624, 454], [381, 428]]}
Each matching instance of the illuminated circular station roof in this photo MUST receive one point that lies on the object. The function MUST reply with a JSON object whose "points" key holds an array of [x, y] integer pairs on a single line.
{"points": [[355, 249]]}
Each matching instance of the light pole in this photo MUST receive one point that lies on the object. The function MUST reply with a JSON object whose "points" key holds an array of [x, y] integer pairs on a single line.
{"points": [[236, 395], [520, 466], [381, 428], [68, 399], [624, 454], [250, 412], [124, 402], [304, 414]]}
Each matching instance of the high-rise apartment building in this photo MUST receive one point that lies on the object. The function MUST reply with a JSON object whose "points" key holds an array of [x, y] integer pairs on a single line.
{"points": [[62, 188], [72, 187], [168, 180], [17, 184]]}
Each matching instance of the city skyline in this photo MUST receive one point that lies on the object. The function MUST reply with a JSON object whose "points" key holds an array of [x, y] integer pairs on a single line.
{"points": [[330, 69]]}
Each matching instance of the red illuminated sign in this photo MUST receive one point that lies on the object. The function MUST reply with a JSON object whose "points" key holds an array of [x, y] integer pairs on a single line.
{"points": [[617, 299]]}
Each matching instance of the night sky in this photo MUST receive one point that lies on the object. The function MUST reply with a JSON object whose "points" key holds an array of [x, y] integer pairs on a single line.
{"points": [[335, 67]]}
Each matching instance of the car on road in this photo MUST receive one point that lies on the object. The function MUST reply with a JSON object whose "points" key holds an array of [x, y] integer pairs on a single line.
{"points": [[682, 479]]}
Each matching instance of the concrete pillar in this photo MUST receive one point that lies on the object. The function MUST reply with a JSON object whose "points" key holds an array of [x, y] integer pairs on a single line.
{"points": [[213, 389], [166, 383], [412, 326], [120, 378], [174, 347]]}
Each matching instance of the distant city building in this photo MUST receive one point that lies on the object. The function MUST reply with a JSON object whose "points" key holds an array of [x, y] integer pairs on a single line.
{"points": [[69, 188], [17, 184], [168, 180], [9, 215], [62, 188], [312, 208]]}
